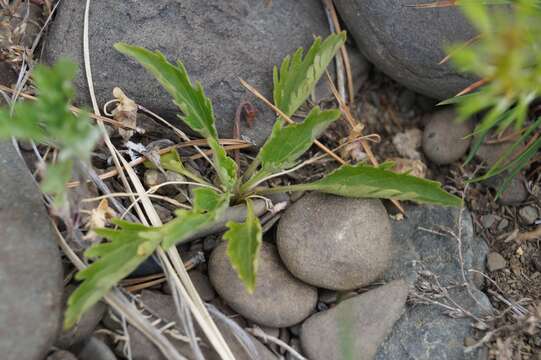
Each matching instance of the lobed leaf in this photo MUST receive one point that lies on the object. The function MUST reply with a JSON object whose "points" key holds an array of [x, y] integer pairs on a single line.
{"points": [[365, 181], [243, 244], [208, 205], [130, 245], [286, 144], [298, 76], [195, 106]]}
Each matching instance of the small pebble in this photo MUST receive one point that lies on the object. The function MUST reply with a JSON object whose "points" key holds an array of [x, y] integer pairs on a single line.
{"points": [[445, 140], [528, 214], [408, 143], [153, 177], [164, 213], [469, 341], [295, 330], [503, 225], [514, 194], [495, 262], [537, 262], [488, 220]]}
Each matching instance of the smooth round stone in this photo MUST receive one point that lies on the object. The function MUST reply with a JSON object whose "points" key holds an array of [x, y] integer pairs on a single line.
{"points": [[444, 139], [30, 267], [279, 299], [335, 242], [408, 43]]}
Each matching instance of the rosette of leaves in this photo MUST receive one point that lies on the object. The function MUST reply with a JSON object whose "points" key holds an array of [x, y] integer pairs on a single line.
{"points": [[127, 245], [506, 56]]}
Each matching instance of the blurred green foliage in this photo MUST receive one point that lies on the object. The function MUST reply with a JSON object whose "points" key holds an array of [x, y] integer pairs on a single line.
{"points": [[49, 120], [506, 56]]}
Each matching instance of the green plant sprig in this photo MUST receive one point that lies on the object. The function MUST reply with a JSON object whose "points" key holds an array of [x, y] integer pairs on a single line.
{"points": [[507, 55], [130, 244], [49, 120]]}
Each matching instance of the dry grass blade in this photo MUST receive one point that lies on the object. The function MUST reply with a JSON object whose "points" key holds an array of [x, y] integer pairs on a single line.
{"points": [[530, 235], [472, 87], [354, 123], [435, 4], [279, 112], [116, 300], [185, 287], [465, 45], [235, 145], [343, 55], [176, 271]]}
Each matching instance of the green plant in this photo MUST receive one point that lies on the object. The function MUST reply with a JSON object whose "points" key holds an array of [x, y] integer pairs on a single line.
{"points": [[49, 120], [129, 244], [507, 57]]}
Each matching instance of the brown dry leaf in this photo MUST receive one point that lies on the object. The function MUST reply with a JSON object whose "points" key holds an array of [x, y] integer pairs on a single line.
{"points": [[413, 167], [99, 218], [354, 148], [125, 112]]}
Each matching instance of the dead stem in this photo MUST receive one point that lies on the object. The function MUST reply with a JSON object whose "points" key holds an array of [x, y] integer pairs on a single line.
{"points": [[287, 119]]}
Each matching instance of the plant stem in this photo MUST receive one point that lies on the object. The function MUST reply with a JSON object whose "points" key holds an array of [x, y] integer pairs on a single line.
{"points": [[192, 176], [251, 169], [281, 189], [253, 181]]}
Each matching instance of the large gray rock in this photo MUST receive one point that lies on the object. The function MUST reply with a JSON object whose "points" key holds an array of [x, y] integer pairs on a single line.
{"points": [[279, 299], [334, 242], [407, 43], [30, 268], [218, 41], [426, 331], [356, 326]]}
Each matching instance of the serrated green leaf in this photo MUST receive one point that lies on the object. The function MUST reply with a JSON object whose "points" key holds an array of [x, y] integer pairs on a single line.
{"points": [[208, 205], [206, 199], [195, 106], [363, 181], [298, 76], [129, 247], [286, 144], [243, 244]]}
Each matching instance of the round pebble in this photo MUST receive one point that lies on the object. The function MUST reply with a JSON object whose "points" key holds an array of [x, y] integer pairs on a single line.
{"points": [[495, 262], [279, 300], [444, 139], [334, 242]]}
